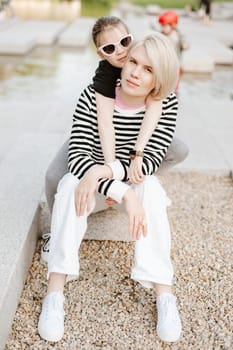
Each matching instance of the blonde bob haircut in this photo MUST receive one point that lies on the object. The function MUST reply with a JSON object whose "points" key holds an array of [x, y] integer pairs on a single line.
{"points": [[164, 62]]}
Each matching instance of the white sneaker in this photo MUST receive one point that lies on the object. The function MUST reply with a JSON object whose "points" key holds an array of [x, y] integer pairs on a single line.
{"points": [[51, 321], [168, 324], [44, 252]]}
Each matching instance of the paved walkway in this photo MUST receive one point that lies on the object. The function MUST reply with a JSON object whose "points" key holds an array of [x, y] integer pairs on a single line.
{"points": [[26, 147]]}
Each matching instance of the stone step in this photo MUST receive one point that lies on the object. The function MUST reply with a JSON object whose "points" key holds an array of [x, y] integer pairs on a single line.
{"points": [[46, 31], [22, 36], [78, 34], [16, 40], [196, 60], [22, 182]]}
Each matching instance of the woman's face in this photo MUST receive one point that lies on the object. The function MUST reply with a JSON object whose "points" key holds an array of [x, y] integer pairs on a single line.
{"points": [[138, 77]]}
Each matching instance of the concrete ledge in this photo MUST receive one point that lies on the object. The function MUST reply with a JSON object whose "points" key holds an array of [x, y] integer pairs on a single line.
{"points": [[14, 42], [22, 180], [17, 273], [78, 34], [196, 60], [46, 32], [22, 36], [221, 54]]}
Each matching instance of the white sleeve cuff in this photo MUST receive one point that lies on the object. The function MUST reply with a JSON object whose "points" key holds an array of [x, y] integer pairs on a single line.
{"points": [[117, 190], [117, 170]]}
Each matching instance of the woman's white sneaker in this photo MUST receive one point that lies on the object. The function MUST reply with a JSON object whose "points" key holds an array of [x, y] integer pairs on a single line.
{"points": [[44, 252], [51, 321], [168, 324]]}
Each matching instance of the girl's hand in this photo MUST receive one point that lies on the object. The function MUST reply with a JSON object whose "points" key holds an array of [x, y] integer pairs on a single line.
{"points": [[136, 214], [135, 171]]}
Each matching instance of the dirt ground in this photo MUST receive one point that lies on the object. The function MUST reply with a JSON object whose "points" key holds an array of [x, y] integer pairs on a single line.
{"points": [[106, 310]]}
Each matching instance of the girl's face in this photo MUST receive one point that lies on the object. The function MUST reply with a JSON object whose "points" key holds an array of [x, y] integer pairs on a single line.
{"points": [[137, 77], [120, 41]]}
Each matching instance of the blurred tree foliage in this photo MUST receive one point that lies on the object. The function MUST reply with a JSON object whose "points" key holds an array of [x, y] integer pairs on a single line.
{"points": [[106, 3], [96, 8], [172, 3], [102, 7]]}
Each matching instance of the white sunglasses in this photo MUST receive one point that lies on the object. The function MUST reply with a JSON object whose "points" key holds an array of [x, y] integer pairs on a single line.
{"points": [[109, 49]]}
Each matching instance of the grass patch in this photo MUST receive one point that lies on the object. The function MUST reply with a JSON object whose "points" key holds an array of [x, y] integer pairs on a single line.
{"points": [[172, 3]]}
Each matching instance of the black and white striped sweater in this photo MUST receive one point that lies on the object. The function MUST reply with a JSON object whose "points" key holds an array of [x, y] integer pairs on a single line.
{"points": [[85, 148]]}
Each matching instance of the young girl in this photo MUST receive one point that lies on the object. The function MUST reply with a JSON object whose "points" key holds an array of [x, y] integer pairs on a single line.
{"points": [[113, 40], [145, 202]]}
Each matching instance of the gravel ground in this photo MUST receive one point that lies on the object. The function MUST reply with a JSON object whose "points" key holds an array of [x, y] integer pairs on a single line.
{"points": [[106, 310]]}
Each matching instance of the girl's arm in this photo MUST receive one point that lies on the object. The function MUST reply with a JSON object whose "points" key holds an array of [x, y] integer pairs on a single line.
{"points": [[150, 120], [105, 108], [104, 83]]}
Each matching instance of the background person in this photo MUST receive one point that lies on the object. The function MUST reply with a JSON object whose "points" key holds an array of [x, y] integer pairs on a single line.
{"points": [[169, 27], [205, 10]]}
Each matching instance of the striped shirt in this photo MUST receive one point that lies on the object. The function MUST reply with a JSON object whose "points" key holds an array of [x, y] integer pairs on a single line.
{"points": [[85, 148]]}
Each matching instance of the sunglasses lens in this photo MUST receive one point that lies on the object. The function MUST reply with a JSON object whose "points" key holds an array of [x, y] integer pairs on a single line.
{"points": [[125, 42], [109, 49]]}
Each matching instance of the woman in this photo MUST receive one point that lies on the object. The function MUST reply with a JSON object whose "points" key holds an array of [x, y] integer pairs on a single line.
{"points": [[151, 66]]}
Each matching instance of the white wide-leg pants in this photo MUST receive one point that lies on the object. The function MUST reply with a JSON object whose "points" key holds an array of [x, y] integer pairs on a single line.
{"points": [[152, 253]]}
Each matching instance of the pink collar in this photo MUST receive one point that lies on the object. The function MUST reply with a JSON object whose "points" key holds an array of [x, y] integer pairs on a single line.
{"points": [[121, 105]]}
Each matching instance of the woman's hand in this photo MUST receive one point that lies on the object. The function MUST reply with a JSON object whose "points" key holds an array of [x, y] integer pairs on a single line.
{"points": [[136, 214], [135, 171], [84, 193], [86, 188]]}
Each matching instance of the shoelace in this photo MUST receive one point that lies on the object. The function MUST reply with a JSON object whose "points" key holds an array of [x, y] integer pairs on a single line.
{"points": [[46, 244]]}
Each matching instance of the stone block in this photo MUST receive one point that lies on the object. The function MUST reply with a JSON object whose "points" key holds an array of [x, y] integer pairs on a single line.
{"points": [[16, 42], [46, 32], [195, 60], [77, 34]]}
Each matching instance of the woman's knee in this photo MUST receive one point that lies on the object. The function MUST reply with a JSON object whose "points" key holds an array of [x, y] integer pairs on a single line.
{"points": [[68, 183], [148, 183], [153, 192]]}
